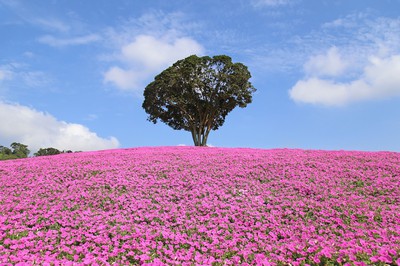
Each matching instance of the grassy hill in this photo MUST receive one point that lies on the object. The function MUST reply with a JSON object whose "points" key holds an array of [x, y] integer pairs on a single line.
{"points": [[201, 206]]}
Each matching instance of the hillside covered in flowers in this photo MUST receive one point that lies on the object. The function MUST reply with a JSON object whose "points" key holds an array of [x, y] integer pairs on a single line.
{"points": [[201, 206]]}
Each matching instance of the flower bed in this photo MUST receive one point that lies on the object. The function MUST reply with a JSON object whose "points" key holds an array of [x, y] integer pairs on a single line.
{"points": [[201, 206]]}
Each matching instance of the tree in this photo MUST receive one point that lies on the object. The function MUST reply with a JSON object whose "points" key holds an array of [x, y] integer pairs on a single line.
{"points": [[47, 151], [20, 150], [5, 150], [6, 153], [17, 150], [197, 93]]}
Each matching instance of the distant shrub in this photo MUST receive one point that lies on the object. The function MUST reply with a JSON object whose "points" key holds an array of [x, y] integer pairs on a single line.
{"points": [[7, 156], [47, 151]]}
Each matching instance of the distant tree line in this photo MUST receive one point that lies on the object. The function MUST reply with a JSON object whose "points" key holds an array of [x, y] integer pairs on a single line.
{"points": [[18, 150]]}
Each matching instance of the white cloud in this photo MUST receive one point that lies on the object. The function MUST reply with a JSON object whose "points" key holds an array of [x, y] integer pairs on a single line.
{"points": [[360, 63], [32, 16], [148, 53], [356, 36], [145, 57], [41, 130], [21, 74], [34, 78], [272, 3], [5, 74], [154, 53], [50, 23], [60, 42], [29, 54], [349, 21], [380, 79], [329, 64], [326, 92], [124, 79], [91, 117], [384, 75]]}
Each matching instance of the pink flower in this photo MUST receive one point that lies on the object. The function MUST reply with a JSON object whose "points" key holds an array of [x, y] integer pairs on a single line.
{"points": [[144, 257], [187, 204]]}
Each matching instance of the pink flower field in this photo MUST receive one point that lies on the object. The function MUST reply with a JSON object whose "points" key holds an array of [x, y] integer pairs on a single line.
{"points": [[201, 206]]}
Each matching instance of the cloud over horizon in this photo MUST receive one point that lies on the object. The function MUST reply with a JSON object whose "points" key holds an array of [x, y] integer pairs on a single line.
{"points": [[42, 130]]}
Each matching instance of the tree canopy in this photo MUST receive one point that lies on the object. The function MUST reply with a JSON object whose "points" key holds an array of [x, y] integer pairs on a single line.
{"points": [[197, 93], [17, 151], [47, 151]]}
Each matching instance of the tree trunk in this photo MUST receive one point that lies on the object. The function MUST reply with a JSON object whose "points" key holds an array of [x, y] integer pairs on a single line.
{"points": [[200, 137], [200, 134], [205, 137], [204, 140], [195, 138]]}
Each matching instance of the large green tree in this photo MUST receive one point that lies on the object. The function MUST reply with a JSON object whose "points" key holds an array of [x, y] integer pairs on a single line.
{"points": [[17, 150], [20, 150], [6, 153], [197, 93]]}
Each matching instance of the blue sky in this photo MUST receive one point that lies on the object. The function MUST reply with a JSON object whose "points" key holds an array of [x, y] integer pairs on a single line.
{"points": [[327, 72]]}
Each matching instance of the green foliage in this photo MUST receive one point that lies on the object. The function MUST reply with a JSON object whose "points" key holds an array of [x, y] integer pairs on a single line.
{"points": [[46, 152], [5, 150], [20, 150], [7, 157], [17, 151], [197, 93]]}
